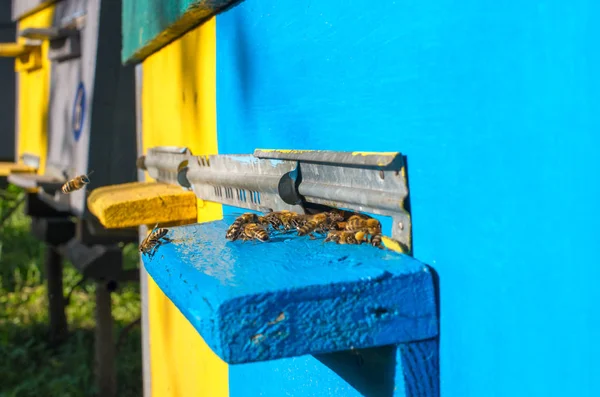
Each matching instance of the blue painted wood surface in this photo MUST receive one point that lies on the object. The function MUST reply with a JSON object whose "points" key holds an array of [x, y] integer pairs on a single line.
{"points": [[292, 296], [495, 106]]}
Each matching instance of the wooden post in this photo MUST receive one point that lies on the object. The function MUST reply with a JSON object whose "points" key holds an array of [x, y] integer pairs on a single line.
{"points": [[56, 300], [106, 376]]}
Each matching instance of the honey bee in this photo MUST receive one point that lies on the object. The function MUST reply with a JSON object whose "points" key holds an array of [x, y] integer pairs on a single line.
{"points": [[154, 239], [233, 232], [322, 222], [340, 225], [278, 220], [76, 183], [342, 237], [364, 236], [363, 222], [254, 231], [376, 240]]}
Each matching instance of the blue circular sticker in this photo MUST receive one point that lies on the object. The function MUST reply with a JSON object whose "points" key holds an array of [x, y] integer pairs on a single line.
{"points": [[78, 112]]}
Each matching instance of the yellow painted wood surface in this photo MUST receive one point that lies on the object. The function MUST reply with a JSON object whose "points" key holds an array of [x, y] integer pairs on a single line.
{"points": [[142, 203], [179, 109], [33, 95], [6, 168]]}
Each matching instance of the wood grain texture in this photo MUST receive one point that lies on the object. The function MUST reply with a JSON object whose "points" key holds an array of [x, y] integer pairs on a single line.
{"points": [[149, 25], [420, 368], [292, 296], [142, 203]]}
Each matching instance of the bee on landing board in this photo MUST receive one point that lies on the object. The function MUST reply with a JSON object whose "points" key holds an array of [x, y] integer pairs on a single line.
{"points": [[342, 237], [254, 231], [364, 236], [321, 222], [279, 220], [233, 232], [154, 239], [363, 222], [76, 183]]}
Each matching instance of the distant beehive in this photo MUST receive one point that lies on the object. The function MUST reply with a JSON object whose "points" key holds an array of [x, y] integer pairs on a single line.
{"points": [[91, 112]]}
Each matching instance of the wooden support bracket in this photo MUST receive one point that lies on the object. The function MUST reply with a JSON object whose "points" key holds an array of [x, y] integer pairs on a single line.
{"points": [[28, 56]]}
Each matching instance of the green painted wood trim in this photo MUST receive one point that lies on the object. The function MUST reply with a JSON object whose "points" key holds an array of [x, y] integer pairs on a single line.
{"points": [[149, 25]]}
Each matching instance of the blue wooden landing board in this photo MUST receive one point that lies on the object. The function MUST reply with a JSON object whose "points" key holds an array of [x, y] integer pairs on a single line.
{"points": [[292, 296]]}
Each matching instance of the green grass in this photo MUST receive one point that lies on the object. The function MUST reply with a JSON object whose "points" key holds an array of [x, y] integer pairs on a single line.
{"points": [[29, 365]]}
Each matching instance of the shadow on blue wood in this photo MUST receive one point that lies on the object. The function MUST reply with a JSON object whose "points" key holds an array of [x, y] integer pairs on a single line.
{"points": [[292, 296], [373, 372], [370, 371]]}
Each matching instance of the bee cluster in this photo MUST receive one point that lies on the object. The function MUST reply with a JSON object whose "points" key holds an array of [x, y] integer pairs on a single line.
{"points": [[337, 227]]}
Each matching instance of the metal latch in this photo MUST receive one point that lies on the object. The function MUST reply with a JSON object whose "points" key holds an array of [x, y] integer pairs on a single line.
{"points": [[163, 163], [300, 181], [64, 42]]}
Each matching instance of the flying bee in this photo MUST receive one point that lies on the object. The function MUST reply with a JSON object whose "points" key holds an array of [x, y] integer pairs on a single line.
{"points": [[341, 237], [153, 240], [254, 231], [278, 220], [233, 232], [320, 222], [364, 236], [362, 222], [76, 183]]}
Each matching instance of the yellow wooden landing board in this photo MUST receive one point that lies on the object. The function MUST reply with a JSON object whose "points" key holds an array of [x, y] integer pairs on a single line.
{"points": [[142, 203], [8, 168]]}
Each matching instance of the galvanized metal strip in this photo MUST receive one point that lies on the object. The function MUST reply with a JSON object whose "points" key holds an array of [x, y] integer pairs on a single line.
{"points": [[374, 159], [360, 188], [375, 183], [240, 180]]}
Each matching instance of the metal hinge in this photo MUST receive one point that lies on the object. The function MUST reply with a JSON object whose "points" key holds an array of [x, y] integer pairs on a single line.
{"points": [[275, 180], [65, 42]]}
